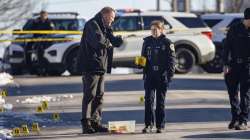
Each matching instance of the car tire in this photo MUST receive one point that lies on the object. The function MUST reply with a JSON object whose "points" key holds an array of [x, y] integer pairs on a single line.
{"points": [[185, 60], [216, 65], [71, 63]]}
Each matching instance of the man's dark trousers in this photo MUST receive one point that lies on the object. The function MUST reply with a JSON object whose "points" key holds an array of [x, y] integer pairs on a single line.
{"points": [[238, 79], [93, 89]]}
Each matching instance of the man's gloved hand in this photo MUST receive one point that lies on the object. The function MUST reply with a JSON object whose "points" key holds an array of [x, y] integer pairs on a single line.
{"points": [[116, 41]]}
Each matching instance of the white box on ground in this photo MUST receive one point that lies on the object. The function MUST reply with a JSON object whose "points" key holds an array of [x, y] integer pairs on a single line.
{"points": [[121, 126]]}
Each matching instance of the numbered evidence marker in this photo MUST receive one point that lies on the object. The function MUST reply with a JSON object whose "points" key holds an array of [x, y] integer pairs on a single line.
{"points": [[35, 128], [45, 105], [4, 93], [16, 132], [39, 109], [141, 99], [56, 116], [25, 129], [140, 61], [1, 109]]}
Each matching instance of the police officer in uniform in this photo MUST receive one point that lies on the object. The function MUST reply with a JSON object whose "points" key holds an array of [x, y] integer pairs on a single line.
{"points": [[158, 72], [41, 23], [236, 57]]}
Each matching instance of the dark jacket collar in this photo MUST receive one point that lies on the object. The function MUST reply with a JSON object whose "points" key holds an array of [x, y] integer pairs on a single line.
{"points": [[98, 18]]}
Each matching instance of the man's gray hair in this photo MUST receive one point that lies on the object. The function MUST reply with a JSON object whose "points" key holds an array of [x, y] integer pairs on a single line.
{"points": [[107, 9]]}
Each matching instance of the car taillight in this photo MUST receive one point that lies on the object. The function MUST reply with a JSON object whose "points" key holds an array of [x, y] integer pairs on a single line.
{"points": [[208, 34]]}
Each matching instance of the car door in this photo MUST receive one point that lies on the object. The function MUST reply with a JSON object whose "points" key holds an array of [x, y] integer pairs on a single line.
{"points": [[130, 28]]}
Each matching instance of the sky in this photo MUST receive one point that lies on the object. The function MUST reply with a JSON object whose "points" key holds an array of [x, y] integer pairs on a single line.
{"points": [[88, 8]]}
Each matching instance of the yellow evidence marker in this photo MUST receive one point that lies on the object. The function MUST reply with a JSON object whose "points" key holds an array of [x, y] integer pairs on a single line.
{"points": [[35, 127], [141, 99], [16, 132], [45, 105], [1, 109], [25, 130], [39, 109], [56, 116], [140, 61], [4, 93]]}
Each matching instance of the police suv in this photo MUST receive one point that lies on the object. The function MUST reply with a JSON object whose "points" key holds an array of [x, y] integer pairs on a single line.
{"points": [[60, 55]]}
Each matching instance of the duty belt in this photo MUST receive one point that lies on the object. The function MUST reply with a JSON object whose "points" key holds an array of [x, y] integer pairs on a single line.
{"points": [[155, 68], [242, 60]]}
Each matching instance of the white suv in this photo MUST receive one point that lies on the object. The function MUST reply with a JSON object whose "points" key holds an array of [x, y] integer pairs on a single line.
{"points": [[192, 38], [59, 54], [219, 24]]}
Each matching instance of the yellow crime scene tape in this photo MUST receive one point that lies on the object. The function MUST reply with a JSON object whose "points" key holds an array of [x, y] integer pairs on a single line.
{"points": [[40, 32], [40, 40]]}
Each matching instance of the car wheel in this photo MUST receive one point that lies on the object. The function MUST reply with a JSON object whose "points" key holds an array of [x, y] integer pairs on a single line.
{"points": [[185, 60], [71, 63], [216, 65]]}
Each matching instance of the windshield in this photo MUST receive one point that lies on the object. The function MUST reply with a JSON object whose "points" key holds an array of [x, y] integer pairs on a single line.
{"points": [[192, 22], [62, 24]]}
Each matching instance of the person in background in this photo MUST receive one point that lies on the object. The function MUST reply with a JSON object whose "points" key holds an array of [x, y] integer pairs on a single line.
{"points": [[236, 56]]}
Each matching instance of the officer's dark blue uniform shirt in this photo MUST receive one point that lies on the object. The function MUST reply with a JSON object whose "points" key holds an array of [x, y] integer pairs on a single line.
{"points": [[160, 56], [237, 44]]}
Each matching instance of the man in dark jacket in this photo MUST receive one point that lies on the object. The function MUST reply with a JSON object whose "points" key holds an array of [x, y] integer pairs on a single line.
{"points": [[237, 71], [96, 51]]}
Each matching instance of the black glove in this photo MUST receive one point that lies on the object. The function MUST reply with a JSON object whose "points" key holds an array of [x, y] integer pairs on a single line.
{"points": [[116, 41]]}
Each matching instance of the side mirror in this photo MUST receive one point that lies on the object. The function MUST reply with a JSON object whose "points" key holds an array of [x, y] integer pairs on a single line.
{"points": [[166, 27]]}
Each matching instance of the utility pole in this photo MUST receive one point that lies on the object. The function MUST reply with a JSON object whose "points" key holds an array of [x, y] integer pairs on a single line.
{"points": [[174, 6], [187, 6], [181, 5], [158, 5], [220, 6]]}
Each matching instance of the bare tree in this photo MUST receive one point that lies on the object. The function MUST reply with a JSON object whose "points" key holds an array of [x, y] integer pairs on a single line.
{"points": [[234, 6], [12, 11]]}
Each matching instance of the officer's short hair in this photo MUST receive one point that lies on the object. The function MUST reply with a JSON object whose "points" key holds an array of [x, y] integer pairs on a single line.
{"points": [[107, 9], [247, 14], [43, 12], [157, 23]]}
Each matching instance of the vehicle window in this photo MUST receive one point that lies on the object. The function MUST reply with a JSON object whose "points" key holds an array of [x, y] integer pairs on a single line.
{"points": [[212, 22], [192, 22], [147, 20], [126, 24], [61, 24], [81, 24], [235, 21]]}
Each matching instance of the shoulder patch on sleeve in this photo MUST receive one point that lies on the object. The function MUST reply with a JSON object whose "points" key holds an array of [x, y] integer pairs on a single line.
{"points": [[172, 47], [52, 25]]}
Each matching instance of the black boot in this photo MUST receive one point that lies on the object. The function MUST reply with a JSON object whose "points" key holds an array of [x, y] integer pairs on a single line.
{"points": [[147, 129], [242, 126], [86, 127], [233, 124], [98, 127], [159, 130]]}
